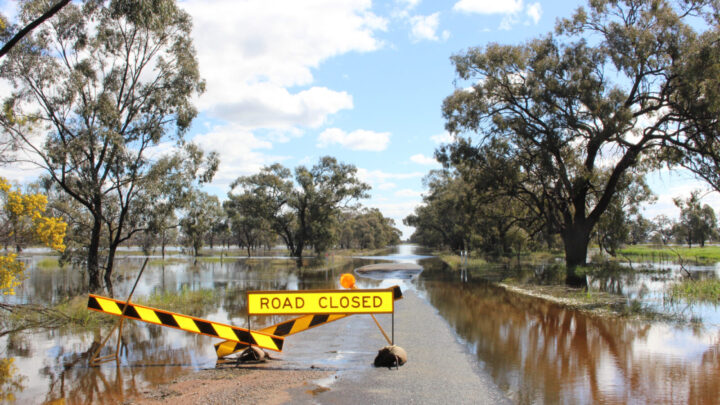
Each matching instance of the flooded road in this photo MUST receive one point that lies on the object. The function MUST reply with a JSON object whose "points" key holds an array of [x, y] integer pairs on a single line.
{"points": [[535, 351]]}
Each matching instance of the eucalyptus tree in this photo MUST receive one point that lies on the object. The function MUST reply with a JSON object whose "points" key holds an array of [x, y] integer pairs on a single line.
{"points": [[302, 209], [95, 89], [248, 227], [697, 222], [449, 214], [12, 34], [367, 229], [615, 226], [663, 229], [203, 213], [610, 91]]}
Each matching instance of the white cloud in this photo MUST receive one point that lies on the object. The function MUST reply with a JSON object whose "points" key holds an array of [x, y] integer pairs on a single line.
{"points": [[21, 173], [511, 10], [387, 186], [380, 180], [356, 140], [238, 152], [445, 137], [408, 4], [676, 183], [268, 106], [424, 160], [425, 28], [403, 8], [251, 52], [379, 175], [507, 22], [534, 11], [489, 6], [406, 192]]}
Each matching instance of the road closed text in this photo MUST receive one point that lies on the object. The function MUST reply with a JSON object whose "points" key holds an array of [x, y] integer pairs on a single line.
{"points": [[320, 302]]}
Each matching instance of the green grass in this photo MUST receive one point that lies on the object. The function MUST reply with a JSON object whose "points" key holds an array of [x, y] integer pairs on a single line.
{"points": [[707, 254], [69, 314], [696, 290], [48, 263], [455, 261], [168, 260], [185, 301], [361, 252], [213, 259]]}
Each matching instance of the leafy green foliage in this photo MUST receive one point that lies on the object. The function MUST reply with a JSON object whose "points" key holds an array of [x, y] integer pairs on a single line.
{"points": [[366, 229], [304, 209], [472, 213], [105, 81], [203, 212], [697, 223], [615, 91]]}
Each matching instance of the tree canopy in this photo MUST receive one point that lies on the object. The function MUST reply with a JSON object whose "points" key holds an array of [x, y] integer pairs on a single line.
{"points": [[95, 88], [303, 209], [616, 90]]}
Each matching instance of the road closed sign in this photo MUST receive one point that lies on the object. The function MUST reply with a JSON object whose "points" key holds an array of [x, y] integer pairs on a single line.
{"points": [[320, 302]]}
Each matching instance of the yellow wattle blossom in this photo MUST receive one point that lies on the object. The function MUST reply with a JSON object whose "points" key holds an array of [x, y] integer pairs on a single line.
{"points": [[10, 381], [11, 273], [51, 232], [26, 223]]}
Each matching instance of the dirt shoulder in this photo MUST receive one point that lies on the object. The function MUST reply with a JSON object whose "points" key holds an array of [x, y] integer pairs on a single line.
{"points": [[232, 386]]}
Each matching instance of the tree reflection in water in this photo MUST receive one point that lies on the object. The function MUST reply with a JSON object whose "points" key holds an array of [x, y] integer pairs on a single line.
{"points": [[542, 352]]}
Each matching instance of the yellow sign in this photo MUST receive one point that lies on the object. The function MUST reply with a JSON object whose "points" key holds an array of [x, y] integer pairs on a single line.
{"points": [[320, 302]]}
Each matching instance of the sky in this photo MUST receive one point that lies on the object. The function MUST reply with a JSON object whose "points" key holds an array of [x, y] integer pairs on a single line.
{"points": [[362, 81]]}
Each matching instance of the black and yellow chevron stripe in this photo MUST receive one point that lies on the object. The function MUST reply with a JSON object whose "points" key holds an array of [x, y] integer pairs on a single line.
{"points": [[186, 323], [286, 328], [290, 327]]}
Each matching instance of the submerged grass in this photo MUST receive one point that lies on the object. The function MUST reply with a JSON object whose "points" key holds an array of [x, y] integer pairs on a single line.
{"points": [[184, 301], [48, 263], [696, 290], [455, 261], [72, 313], [707, 254]]}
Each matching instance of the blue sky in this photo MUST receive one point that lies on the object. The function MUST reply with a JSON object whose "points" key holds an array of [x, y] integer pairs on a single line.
{"points": [[291, 81]]}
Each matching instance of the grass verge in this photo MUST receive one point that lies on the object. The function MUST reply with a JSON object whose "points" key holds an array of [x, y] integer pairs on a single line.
{"points": [[696, 290], [184, 301], [707, 254], [455, 261]]}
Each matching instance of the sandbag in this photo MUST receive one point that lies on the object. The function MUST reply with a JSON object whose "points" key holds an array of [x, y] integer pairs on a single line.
{"points": [[253, 354], [391, 356]]}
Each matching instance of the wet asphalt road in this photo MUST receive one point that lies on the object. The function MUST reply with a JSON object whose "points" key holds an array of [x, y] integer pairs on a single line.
{"points": [[439, 368]]}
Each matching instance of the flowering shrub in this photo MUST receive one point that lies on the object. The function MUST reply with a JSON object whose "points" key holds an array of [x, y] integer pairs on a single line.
{"points": [[22, 221]]}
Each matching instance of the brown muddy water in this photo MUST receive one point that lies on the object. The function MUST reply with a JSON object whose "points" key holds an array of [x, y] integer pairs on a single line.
{"points": [[536, 351]]}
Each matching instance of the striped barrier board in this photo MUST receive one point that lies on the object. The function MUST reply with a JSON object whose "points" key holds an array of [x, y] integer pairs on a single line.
{"points": [[286, 328], [186, 323], [290, 327]]}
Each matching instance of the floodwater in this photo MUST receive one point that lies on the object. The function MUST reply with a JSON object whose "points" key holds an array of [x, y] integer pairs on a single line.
{"points": [[536, 351]]}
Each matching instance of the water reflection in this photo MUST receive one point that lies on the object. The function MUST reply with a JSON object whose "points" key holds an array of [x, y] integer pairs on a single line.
{"points": [[535, 350], [52, 365], [538, 351]]}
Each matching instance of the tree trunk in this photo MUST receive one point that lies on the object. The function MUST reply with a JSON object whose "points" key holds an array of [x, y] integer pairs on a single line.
{"points": [[110, 263], [93, 257], [298, 250], [576, 240]]}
